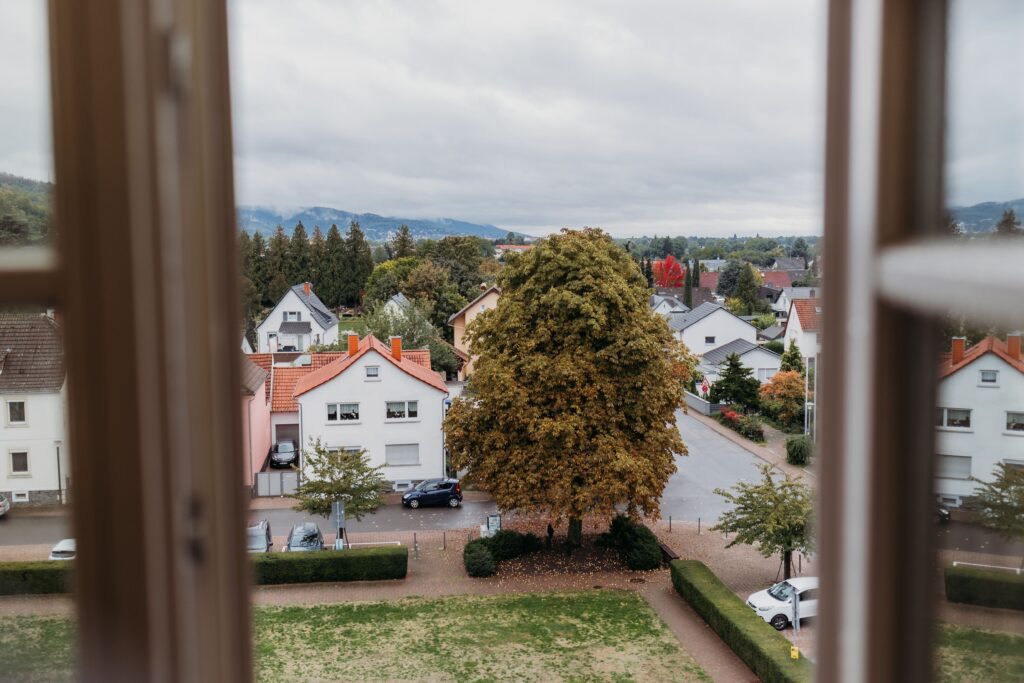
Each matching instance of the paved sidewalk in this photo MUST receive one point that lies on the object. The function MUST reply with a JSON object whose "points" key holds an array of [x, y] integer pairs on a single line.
{"points": [[773, 451]]}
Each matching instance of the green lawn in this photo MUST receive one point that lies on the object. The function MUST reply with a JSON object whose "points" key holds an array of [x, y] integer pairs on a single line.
{"points": [[600, 635], [968, 655], [355, 323]]}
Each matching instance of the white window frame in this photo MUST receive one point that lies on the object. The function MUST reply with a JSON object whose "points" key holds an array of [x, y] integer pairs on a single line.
{"points": [[293, 316], [1006, 423], [418, 462], [375, 377], [946, 427], [28, 462], [7, 412], [405, 412], [982, 382], [20, 497], [340, 420]]}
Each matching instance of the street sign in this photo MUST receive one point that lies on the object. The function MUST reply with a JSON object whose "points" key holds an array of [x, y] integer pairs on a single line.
{"points": [[338, 514], [494, 523]]}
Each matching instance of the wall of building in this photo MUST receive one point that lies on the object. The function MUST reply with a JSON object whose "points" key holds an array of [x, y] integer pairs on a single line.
{"points": [[489, 301], [255, 431], [722, 325], [373, 432], [987, 441], [763, 363], [290, 302], [43, 436]]}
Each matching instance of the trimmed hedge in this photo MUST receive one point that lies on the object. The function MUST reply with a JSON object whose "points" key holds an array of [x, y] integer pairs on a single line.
{"points": [[799, 450], [360, 564], [637, 545], [986, 588], [761, 647], [482, 555], [747, 425], [32, 578]]}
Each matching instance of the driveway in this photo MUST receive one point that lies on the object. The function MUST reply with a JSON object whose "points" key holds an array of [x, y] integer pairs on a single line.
{"points": [[714, 462]]}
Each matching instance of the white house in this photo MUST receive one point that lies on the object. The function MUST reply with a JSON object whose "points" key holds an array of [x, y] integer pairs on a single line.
{"points": [[298, 320], [781, 305], [761, 361], [979, 418], [397, 304], [33, 427], [709, 326], [379, 400], [802, 325], [666, 304]]}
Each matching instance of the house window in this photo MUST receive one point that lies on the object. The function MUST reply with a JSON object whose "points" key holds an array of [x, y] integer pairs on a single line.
{"points": [[372, 372], [953, 467], [272, 341], [765, 374], [990, 378], [401, 410], [957, 418], [292, 316], [16, 412], [342, 412], [20, 496], [19, 463], [1015, 422], [396, 455], [709, 340]]}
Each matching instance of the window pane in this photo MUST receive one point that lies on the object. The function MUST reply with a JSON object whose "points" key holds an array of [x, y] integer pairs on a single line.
{"points": [[395, 409], [332, 411], [349, 411], [413, 409], [402, 454], [16, 411], [956, 417], [26, 157], [1015, 422]]}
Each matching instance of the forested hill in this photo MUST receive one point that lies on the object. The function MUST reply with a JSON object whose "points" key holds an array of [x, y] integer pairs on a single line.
{"points": [[376, 228], [25, 209], [983, 217]]}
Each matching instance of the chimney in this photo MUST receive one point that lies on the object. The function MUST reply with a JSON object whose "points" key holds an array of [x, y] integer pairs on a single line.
{"points": [[306, 288], [1013, 344], [959, 344], [353, 344], [396, 347]]}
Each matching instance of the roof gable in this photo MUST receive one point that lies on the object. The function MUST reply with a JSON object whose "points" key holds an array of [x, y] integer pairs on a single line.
{"points": [[680, 321], [31, 353], [808, 312], [987, 345], [323, 315], [492, 288], [776, 279]]}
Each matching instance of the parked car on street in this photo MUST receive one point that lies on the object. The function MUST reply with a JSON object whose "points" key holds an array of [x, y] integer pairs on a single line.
{"points": [[434, 492], [775, 605], [284, 454], [5, 505], [942, 513], [257, 539], [64, 550], [305, 537]]}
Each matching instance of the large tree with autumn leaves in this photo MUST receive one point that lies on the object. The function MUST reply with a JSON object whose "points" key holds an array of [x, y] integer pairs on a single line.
{"points": [[571, 407]]}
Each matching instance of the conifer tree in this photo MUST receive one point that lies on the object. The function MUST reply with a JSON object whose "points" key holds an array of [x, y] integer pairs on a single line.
{"points": [[736, 384], [688, 290], [1008, 225], [277, 256], [256, 266], [357, 265], [746, 290], [403, 243], [317, 254], [792, 359], [333, 267], [296, 268]]}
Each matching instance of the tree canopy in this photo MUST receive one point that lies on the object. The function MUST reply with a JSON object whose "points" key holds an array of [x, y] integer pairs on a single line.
{"points": [[338, 475], [735, 384], [792, 360], [1009, 224], [729, 277], [774, 515], [1001, 501], [571, 408]]}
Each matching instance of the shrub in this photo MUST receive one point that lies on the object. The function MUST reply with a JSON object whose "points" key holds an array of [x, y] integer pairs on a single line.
{"points": [[751, 428], [478, 558], [985, 588], [361, 564], [637, 545], [799, 450], [776, 346], [30, 578], [761, 647], [507, 544]]}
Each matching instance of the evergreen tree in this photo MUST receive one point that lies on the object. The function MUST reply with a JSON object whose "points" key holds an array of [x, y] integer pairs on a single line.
{"points": [[792, 359], [746, 290], [1001, 502], [296, 268], [256, 266], [728, 277], [799, 249], [695, 276], [688, 290], [244, 249], [666, 247], [357, 265], [648, 271], [331, 272], [403, 244], [278, 287], [317, 256], [736, 384], [1008, 225], [277, 257]]}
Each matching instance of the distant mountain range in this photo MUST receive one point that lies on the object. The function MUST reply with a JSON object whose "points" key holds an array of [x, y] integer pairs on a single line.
{"points": [[983, 217], [265, 220]]}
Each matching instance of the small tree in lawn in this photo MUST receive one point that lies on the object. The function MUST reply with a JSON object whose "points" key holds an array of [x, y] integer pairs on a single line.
{"points": [[792, 359], [735, 384], [773, 514], [338, 475], [1001, 502]]}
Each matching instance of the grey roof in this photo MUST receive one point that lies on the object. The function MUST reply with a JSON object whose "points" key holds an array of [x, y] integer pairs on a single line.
{"points": [[773, 332], [801, 292], [657, 299], [789, 263], [253, 377], [740, 347], [31, 353], [295, 327], [400, 299], [680, 321], [323, 315]]}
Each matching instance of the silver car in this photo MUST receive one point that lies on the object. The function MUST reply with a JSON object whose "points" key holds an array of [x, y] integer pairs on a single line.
{"points": [[5, 505], [64, 550]]}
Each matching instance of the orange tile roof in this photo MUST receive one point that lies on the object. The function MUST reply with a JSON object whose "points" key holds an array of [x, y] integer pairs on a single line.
{"points": [[709, 281], [989, 344], [318, 360], [284, 382], [367, 344], [809, 312], [776, 278], [418, 356]]}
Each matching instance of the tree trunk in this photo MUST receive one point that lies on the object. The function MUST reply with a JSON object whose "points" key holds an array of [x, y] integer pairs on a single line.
{"points": [[787, 564], [575, 537]]}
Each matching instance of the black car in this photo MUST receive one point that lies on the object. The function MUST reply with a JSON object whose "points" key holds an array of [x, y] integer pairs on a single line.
{"points": [[942, 513], [305, 537], [257, 537], [434, 492], [284, 454]]}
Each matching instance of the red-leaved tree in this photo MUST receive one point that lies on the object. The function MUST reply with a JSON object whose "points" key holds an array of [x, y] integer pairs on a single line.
{"points": [[668, 272]]}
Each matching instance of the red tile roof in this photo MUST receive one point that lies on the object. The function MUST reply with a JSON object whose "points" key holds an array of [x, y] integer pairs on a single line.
{"points": [[367, 344], [418, 356], [809, 313], [31, 353], [709, 281], [776, 278], [284, 382], [989, 344]]}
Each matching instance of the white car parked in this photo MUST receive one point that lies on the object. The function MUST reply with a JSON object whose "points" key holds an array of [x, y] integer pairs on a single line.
{"points": [[5, 506], [64, 550], [775, 605]]}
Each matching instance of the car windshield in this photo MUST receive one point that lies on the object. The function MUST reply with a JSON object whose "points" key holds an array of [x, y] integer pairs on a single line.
{"points": [[286, 447], [781, 591], [257, 539], [422, 486], [306, 539]]}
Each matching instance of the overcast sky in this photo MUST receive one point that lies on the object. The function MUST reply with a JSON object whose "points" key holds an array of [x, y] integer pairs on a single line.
{"points": [[679, 117]]}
